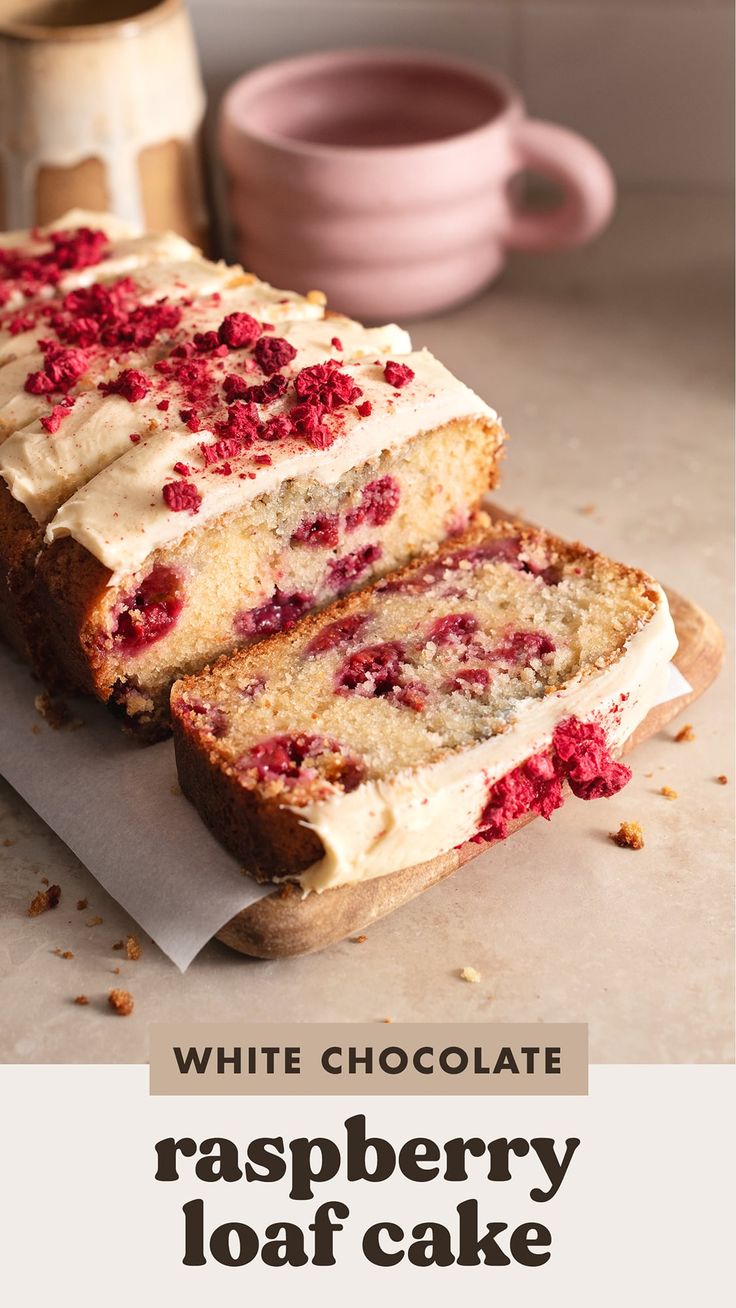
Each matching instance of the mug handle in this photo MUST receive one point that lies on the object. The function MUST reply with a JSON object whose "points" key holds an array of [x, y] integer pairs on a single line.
{"points": [[582, 173]]}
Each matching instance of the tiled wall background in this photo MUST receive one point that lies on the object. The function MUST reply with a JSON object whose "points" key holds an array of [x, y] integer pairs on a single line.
{"points": [[650, 81]]}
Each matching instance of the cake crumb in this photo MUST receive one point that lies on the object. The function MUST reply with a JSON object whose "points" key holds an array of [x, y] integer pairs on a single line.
{"points": [[44, 900], [119, 944], [587, 510], [81, 999], [469, 974], [133, 948], [53, 711], [628, 836], [62, 953], [93, 921], [121, 1001], [668, 792], [44, 881], [685, 734], [35, 729], [386, 1020], [116, 971], [81, 905], [7, 843], [722, 780], [358, 940]]}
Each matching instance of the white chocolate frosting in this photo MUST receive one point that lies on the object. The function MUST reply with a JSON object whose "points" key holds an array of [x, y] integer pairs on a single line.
{"points": [[117, 229], [125, 256], [42, 471], [193, 279], [384, 826], [120, 516]]}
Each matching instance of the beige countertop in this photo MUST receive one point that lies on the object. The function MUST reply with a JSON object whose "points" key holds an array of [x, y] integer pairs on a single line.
{"points": [[612, 369]]}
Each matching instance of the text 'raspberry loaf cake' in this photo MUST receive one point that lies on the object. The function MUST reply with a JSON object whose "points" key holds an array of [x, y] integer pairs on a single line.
{"points": [[200, 470], [433, 708]]}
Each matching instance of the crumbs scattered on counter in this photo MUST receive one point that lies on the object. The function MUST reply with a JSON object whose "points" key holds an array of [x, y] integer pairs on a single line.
{"points": [[133, 948], [62, 953], [685, 734], [44, 900], [722, 780], [668, 792], [81, 905], [358, 940], [93, 921], [81, 999], [121, 1001], [7, 843], [628, 836]]}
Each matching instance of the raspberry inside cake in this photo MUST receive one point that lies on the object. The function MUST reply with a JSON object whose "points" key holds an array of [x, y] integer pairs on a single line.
{"points": [[437, 706]]}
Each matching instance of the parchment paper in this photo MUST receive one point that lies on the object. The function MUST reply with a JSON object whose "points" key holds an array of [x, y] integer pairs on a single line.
{"points": [[117, 805]]}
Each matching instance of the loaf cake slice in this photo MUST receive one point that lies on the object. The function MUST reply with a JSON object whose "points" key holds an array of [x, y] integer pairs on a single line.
{"points": [[229, 521], [481, 683], [58, 356]]}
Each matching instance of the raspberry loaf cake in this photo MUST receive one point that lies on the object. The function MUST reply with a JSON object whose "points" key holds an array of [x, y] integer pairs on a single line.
{"points": [[201, 469], [431, 709]]}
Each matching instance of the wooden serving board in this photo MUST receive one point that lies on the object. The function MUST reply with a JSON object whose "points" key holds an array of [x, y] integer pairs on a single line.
{"points": [[284, 924]]}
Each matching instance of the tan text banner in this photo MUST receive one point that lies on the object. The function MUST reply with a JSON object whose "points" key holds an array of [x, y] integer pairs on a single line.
{"points": [[339, 1058]]}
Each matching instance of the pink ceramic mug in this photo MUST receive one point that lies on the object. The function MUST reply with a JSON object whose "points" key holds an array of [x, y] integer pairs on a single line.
{"points": [[382, 177]]}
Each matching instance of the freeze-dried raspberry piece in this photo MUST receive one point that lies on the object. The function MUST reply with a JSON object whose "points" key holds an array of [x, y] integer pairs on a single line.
{"points": [[324, 385], [342, 573], [373, 671], [365, 409], [379, 501], [151, 612], [582, 754], [236, 388], [130, 383], [336, 344], [398, 374], [322, 532], [241, 424], [337, 634], [308, 420], [280, 613], [276, 429], [182, 496], [229, 448], [62, 367], [273, 353], [535, 787], [208, 342], [54, 419], [239, 330]]}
